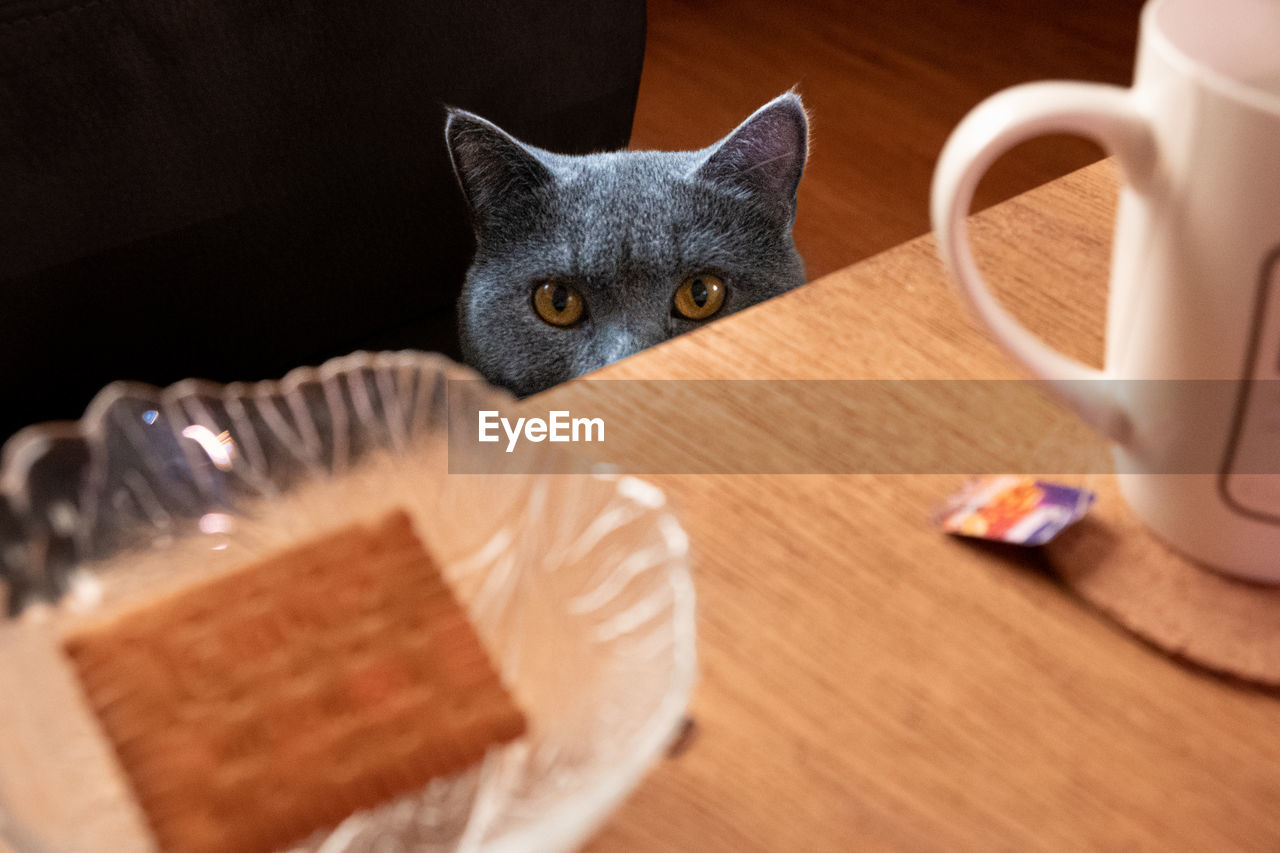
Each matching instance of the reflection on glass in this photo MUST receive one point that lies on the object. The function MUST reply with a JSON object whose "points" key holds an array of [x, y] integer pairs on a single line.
{"points": [[220, 448]]}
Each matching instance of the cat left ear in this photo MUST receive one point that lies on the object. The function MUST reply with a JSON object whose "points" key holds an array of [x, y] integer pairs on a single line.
{"points": [[765, 156], [493, 167]]}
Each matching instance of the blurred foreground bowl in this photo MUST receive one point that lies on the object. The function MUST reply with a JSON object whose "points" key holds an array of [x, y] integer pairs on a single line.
{"points": [[576, 580]]}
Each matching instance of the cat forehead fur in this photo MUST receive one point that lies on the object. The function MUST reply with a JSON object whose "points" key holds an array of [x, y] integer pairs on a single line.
{"points": [[613, 221], [625, 229]]}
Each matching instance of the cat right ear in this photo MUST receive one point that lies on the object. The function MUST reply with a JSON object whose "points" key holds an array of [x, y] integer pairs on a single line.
{"points": [[495, 170], [765, 156]]}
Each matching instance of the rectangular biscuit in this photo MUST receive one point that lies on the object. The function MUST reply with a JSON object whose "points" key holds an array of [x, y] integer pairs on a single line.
{"points": [[254, 708]]}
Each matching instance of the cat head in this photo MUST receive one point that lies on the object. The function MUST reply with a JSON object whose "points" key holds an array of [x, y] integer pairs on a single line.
{"points": [[582, 260]]}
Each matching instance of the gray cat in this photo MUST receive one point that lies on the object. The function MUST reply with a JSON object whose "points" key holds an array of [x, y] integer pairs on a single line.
{"points": [[582, 260]]}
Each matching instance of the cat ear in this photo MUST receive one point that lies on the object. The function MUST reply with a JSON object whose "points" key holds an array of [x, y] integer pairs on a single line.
{"points": [[765, 156], [495, 170]]}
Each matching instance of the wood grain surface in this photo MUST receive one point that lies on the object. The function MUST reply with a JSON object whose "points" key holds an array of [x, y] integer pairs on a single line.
{"points": [[870, 684], [885, 81]]}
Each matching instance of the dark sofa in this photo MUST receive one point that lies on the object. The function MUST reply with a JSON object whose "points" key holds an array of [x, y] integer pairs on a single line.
{"points": [[230, 188]]}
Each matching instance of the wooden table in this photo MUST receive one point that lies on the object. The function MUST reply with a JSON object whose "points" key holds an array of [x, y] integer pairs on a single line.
{"points": [[868, 683]]}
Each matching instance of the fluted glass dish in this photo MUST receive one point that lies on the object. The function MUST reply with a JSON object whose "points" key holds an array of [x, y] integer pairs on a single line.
{"points": [[576, 580]]}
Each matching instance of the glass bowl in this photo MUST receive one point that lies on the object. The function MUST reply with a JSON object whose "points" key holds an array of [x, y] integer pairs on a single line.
{"points": [[576, 580]]}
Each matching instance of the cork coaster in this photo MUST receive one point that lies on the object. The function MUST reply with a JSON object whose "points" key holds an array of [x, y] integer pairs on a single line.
{"points": [[1114, 562], [250, 710]]}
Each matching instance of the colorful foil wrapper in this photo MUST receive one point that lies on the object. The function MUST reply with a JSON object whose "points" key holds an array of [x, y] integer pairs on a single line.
{"points": [[1019, 510]]}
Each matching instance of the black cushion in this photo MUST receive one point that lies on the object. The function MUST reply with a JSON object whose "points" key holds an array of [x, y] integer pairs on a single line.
{"points": [[230, 188]]}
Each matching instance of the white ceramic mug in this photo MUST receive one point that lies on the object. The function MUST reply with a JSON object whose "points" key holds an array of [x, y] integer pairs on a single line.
{"points": [[1194, 308]]}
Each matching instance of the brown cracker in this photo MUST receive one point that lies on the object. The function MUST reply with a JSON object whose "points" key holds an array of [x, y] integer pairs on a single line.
{"points": [[252, 709]]}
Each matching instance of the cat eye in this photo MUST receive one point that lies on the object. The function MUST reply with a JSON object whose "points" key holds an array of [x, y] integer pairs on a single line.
{"points": [[699, 296], [558, 304]]}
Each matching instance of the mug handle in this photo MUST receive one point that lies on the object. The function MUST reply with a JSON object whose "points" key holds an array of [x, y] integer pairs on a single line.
{"points": [[1107, 114]]}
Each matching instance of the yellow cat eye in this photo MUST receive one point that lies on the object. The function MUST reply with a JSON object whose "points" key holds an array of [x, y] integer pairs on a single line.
{"points": [[558, 303], [699, 296]]}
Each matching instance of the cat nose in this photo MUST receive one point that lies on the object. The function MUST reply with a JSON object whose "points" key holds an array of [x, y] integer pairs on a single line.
{"points": [[612, 344]]}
